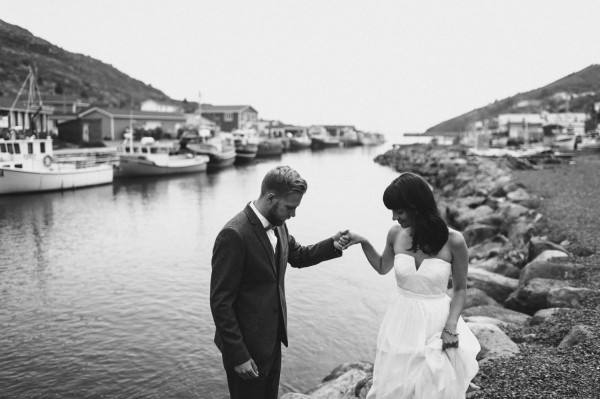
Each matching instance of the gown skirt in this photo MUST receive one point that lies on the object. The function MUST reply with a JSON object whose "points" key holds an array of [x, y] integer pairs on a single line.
{"points": [[409, 362]]}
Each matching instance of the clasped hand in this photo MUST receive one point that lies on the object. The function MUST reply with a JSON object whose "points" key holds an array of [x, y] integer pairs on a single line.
{"points": [[346, 238]]}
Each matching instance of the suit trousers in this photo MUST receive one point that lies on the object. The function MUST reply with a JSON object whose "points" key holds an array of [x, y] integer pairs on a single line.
{"points": [[265, 386]]}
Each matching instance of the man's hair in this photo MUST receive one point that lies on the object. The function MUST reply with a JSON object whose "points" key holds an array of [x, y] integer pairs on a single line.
{"points": [[283, 180]]}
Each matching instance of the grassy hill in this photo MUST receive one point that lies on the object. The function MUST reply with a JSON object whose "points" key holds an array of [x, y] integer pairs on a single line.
{"points": [[60, 72], [575, 92]]}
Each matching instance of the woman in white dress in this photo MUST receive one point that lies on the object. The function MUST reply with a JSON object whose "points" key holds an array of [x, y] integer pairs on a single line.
{"points": [[424, 348]]}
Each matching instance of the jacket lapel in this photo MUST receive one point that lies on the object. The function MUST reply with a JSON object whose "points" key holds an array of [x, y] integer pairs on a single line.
{"points": [[260, 232]]}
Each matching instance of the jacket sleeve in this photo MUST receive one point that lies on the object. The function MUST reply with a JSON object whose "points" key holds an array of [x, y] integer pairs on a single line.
{"points": [[304, 256], [227, 267]]}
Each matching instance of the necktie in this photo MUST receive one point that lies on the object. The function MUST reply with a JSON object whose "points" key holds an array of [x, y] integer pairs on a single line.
{"points": [[272, 237]]}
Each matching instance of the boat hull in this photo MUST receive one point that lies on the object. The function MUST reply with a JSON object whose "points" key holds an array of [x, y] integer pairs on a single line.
{"points": [[299, 144], [139, 166], [246, 153], [15, 181], [270, 148], [319, 143]]}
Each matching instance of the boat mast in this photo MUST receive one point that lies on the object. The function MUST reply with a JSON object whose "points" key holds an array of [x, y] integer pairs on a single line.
{"points": [[131, 127], [199, 112]]}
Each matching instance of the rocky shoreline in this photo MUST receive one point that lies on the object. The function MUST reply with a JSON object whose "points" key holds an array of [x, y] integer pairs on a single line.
{"points": [[519, 283]]}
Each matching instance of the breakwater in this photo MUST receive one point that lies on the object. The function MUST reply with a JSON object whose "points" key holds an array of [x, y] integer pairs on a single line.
{"points": [[518, 281]]}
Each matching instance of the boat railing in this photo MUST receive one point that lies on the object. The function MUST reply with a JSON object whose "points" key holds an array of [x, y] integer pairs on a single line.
{"points": [[87, 156]]}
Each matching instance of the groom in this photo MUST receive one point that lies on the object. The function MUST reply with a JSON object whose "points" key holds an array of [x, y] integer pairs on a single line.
{"points": [[247, 294]]}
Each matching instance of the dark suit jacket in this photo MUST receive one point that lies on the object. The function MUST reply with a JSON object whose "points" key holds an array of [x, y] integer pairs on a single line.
{"points": [[247, 292]]}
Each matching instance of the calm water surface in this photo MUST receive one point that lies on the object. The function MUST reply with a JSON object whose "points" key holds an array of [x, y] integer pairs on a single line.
{"points": [[104, 292]]}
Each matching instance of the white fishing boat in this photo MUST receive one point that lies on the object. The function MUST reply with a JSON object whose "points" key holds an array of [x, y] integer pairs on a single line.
{"points": [[27, 166], [219, 147], [299, 139], [151, 158], [323, 138]]}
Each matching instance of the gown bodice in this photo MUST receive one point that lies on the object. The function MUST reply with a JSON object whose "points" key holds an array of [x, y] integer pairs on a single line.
{"points": [[430, 279]]}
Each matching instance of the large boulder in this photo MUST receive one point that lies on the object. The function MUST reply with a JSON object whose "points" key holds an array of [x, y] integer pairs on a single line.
{"points": [[549, 269], [519, 233], [466, 216], [504, 326], [344, 367], [543, 315], [500, 313], [579, 334], [533, 295], [493, 219], [477, 233], [568, 297], [511, 211], [493, 341], [550, 254], [497, 246], [537, 245], [294, 395], [495, 285], [342, 387], [363, 387], [476, 297], [497, 265]]}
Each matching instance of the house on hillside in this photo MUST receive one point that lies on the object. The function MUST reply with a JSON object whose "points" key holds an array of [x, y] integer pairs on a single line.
{"points": [[19, 119], [231, 117], [97, 124], [161, 106]]}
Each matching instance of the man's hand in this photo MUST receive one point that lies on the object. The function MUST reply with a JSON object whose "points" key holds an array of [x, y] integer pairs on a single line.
{"points": [[336, 240], [350, 238], [247, 370]]}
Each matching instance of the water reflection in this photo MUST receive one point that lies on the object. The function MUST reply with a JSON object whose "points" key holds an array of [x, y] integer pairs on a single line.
{"points": [[104, 290]]}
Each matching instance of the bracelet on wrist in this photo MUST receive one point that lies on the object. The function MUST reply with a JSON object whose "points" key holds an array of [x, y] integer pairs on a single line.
{"points": [[451, 333]]}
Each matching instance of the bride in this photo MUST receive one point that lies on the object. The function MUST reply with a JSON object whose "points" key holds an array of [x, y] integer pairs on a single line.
{"points": [[424, 348]]}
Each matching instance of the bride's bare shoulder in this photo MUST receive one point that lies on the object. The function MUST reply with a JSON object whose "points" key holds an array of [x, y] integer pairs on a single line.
{"points": [[396, 232], [455, 238]]}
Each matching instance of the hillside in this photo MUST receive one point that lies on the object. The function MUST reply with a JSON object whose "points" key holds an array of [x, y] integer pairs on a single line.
{"points": [[575, 92], [64, 73]]}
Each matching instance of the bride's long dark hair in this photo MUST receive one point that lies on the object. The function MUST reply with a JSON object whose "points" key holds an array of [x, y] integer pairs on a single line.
{"points": [[411, 193]]}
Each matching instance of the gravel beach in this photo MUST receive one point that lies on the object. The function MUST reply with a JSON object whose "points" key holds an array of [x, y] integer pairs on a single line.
{"points": [[571, 208]]}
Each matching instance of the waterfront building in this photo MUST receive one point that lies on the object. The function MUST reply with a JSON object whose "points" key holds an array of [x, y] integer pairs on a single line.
{"points": [[97, 123], [231, 117]]}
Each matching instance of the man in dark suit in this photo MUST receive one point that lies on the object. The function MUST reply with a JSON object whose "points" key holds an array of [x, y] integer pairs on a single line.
{"points": [[247, 294]]}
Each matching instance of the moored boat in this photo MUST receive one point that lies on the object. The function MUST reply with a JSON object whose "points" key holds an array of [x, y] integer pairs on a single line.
{"points": [[150, 158], [27, 166], [299, 139], [321, 138], [269, 147], [218, 147], [246, 145]]}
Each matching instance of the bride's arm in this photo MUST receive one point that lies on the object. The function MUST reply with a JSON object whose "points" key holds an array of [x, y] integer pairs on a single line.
{"points": [[381, 263], [460, 266]]}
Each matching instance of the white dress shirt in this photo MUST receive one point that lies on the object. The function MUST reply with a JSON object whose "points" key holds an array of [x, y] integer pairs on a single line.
{"points": [[266, 224]]}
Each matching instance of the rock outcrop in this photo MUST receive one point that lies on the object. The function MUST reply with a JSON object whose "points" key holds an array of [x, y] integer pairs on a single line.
{"points": [[516, 279]]}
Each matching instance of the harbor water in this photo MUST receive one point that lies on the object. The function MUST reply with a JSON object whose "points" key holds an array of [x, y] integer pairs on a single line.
{"points": [[104, 292]]}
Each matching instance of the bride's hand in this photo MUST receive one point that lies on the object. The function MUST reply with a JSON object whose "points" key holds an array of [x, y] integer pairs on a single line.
{"points": [[351, 238]]}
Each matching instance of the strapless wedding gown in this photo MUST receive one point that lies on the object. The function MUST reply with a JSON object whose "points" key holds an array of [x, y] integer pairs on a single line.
{"points": [[409, 362]]}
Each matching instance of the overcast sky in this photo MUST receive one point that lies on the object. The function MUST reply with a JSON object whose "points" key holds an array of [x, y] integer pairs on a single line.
{"points": [[388, 66]]}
